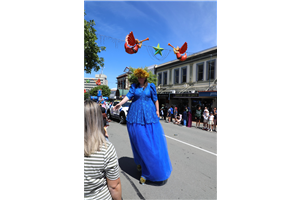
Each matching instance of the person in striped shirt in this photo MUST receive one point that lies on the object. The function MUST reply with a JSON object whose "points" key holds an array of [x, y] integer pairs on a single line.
{"points": [[101, 167]]}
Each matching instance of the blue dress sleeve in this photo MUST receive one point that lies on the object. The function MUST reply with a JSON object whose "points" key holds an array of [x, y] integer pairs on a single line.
{"points": [[153, 92], [131, 92]]}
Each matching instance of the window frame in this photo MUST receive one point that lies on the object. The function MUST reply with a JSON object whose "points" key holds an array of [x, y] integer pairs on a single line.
{"points": [[174, 81], [197, 71], [159, 81], [165, 80], [207, 69], [182, 68]]}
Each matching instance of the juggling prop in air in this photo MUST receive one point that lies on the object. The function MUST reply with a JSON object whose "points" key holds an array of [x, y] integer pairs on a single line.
{"points": [[132, 45], [98, 82], [178, 51]]}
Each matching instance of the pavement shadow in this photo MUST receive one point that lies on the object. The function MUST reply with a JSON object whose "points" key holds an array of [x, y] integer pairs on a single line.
{"points": [[128, 166]]}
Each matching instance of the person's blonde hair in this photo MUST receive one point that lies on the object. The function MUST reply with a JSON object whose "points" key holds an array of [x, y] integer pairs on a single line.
{"points": [[93, 128]]}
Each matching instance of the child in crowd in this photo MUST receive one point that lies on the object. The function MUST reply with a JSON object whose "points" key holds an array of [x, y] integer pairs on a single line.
{"points": [[205, 119], [178, 120], [211, 122], [105, 122]]}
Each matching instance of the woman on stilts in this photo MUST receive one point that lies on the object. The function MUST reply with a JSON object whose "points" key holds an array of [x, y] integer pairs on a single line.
{"points": [[147, 138]]}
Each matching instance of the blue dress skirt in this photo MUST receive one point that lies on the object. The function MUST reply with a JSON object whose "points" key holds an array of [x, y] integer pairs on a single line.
{"points": [[147, 138]]}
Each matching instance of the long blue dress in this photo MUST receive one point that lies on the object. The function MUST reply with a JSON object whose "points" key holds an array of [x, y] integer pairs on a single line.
{"points": [[147, 138]]}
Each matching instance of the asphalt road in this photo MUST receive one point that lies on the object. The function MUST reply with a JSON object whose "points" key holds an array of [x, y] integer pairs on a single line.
{"points": [[193, 154]]}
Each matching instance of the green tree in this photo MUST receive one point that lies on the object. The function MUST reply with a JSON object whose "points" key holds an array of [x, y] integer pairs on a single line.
{"points": [[86, 95], [91, 48], [133, 79], [105, 90]]}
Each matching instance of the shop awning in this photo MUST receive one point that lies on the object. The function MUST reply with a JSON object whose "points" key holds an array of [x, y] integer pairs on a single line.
{"points": [[208, 94]]}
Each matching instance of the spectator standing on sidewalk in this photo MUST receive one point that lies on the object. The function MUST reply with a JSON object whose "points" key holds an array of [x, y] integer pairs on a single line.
{"points": [[205, 119], [198, 116], [184, 116], [162, 111], [205, 109], [189, 114], [165, 112], [171, 114], [215, 119], [175, 114]]}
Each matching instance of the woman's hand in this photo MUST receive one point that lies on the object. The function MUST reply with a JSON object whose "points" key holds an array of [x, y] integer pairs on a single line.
{"points": [[157, 112], [117, 106]]}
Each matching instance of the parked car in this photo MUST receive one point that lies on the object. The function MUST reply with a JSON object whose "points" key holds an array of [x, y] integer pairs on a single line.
{"points": [[119, 114]]}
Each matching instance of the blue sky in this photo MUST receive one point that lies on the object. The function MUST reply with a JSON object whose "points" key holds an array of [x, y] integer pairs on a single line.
{"points": [[194, 22]]}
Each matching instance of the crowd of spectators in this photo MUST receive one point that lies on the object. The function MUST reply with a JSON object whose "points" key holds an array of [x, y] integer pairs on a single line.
{"points": [[206, 118]]}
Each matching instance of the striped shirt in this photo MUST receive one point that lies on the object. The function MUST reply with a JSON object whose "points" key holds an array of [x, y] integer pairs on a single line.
{"points": [[97, 167]]}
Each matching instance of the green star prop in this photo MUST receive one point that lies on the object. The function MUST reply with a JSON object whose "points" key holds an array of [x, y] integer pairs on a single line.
{"points": [[158, 50], [87, 81]]}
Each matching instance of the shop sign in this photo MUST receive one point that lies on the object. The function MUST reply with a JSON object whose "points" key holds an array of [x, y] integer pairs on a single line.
{"points": [[186, 95], [208, 94], [163, 95]]}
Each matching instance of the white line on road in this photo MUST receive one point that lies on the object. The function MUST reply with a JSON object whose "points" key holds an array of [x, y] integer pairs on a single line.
{"points": [[191, 145]]}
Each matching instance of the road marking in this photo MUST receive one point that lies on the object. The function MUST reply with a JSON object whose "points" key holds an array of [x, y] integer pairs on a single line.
{"points": [[191, 145]]}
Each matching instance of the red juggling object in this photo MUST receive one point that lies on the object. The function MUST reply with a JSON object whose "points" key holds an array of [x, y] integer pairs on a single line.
{"points": [[132, 45], [178, 51]]}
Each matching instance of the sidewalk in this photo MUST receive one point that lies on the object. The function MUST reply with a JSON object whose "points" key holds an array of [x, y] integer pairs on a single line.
{"points": [[194, 124]]}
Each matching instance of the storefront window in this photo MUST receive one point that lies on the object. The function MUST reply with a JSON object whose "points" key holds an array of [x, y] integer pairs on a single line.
{"points": [[181, 104]]}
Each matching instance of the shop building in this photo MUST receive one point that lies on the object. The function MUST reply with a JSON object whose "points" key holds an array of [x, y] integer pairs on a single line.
{"points": [[189, 83], [90, 83], [123, 84]]}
